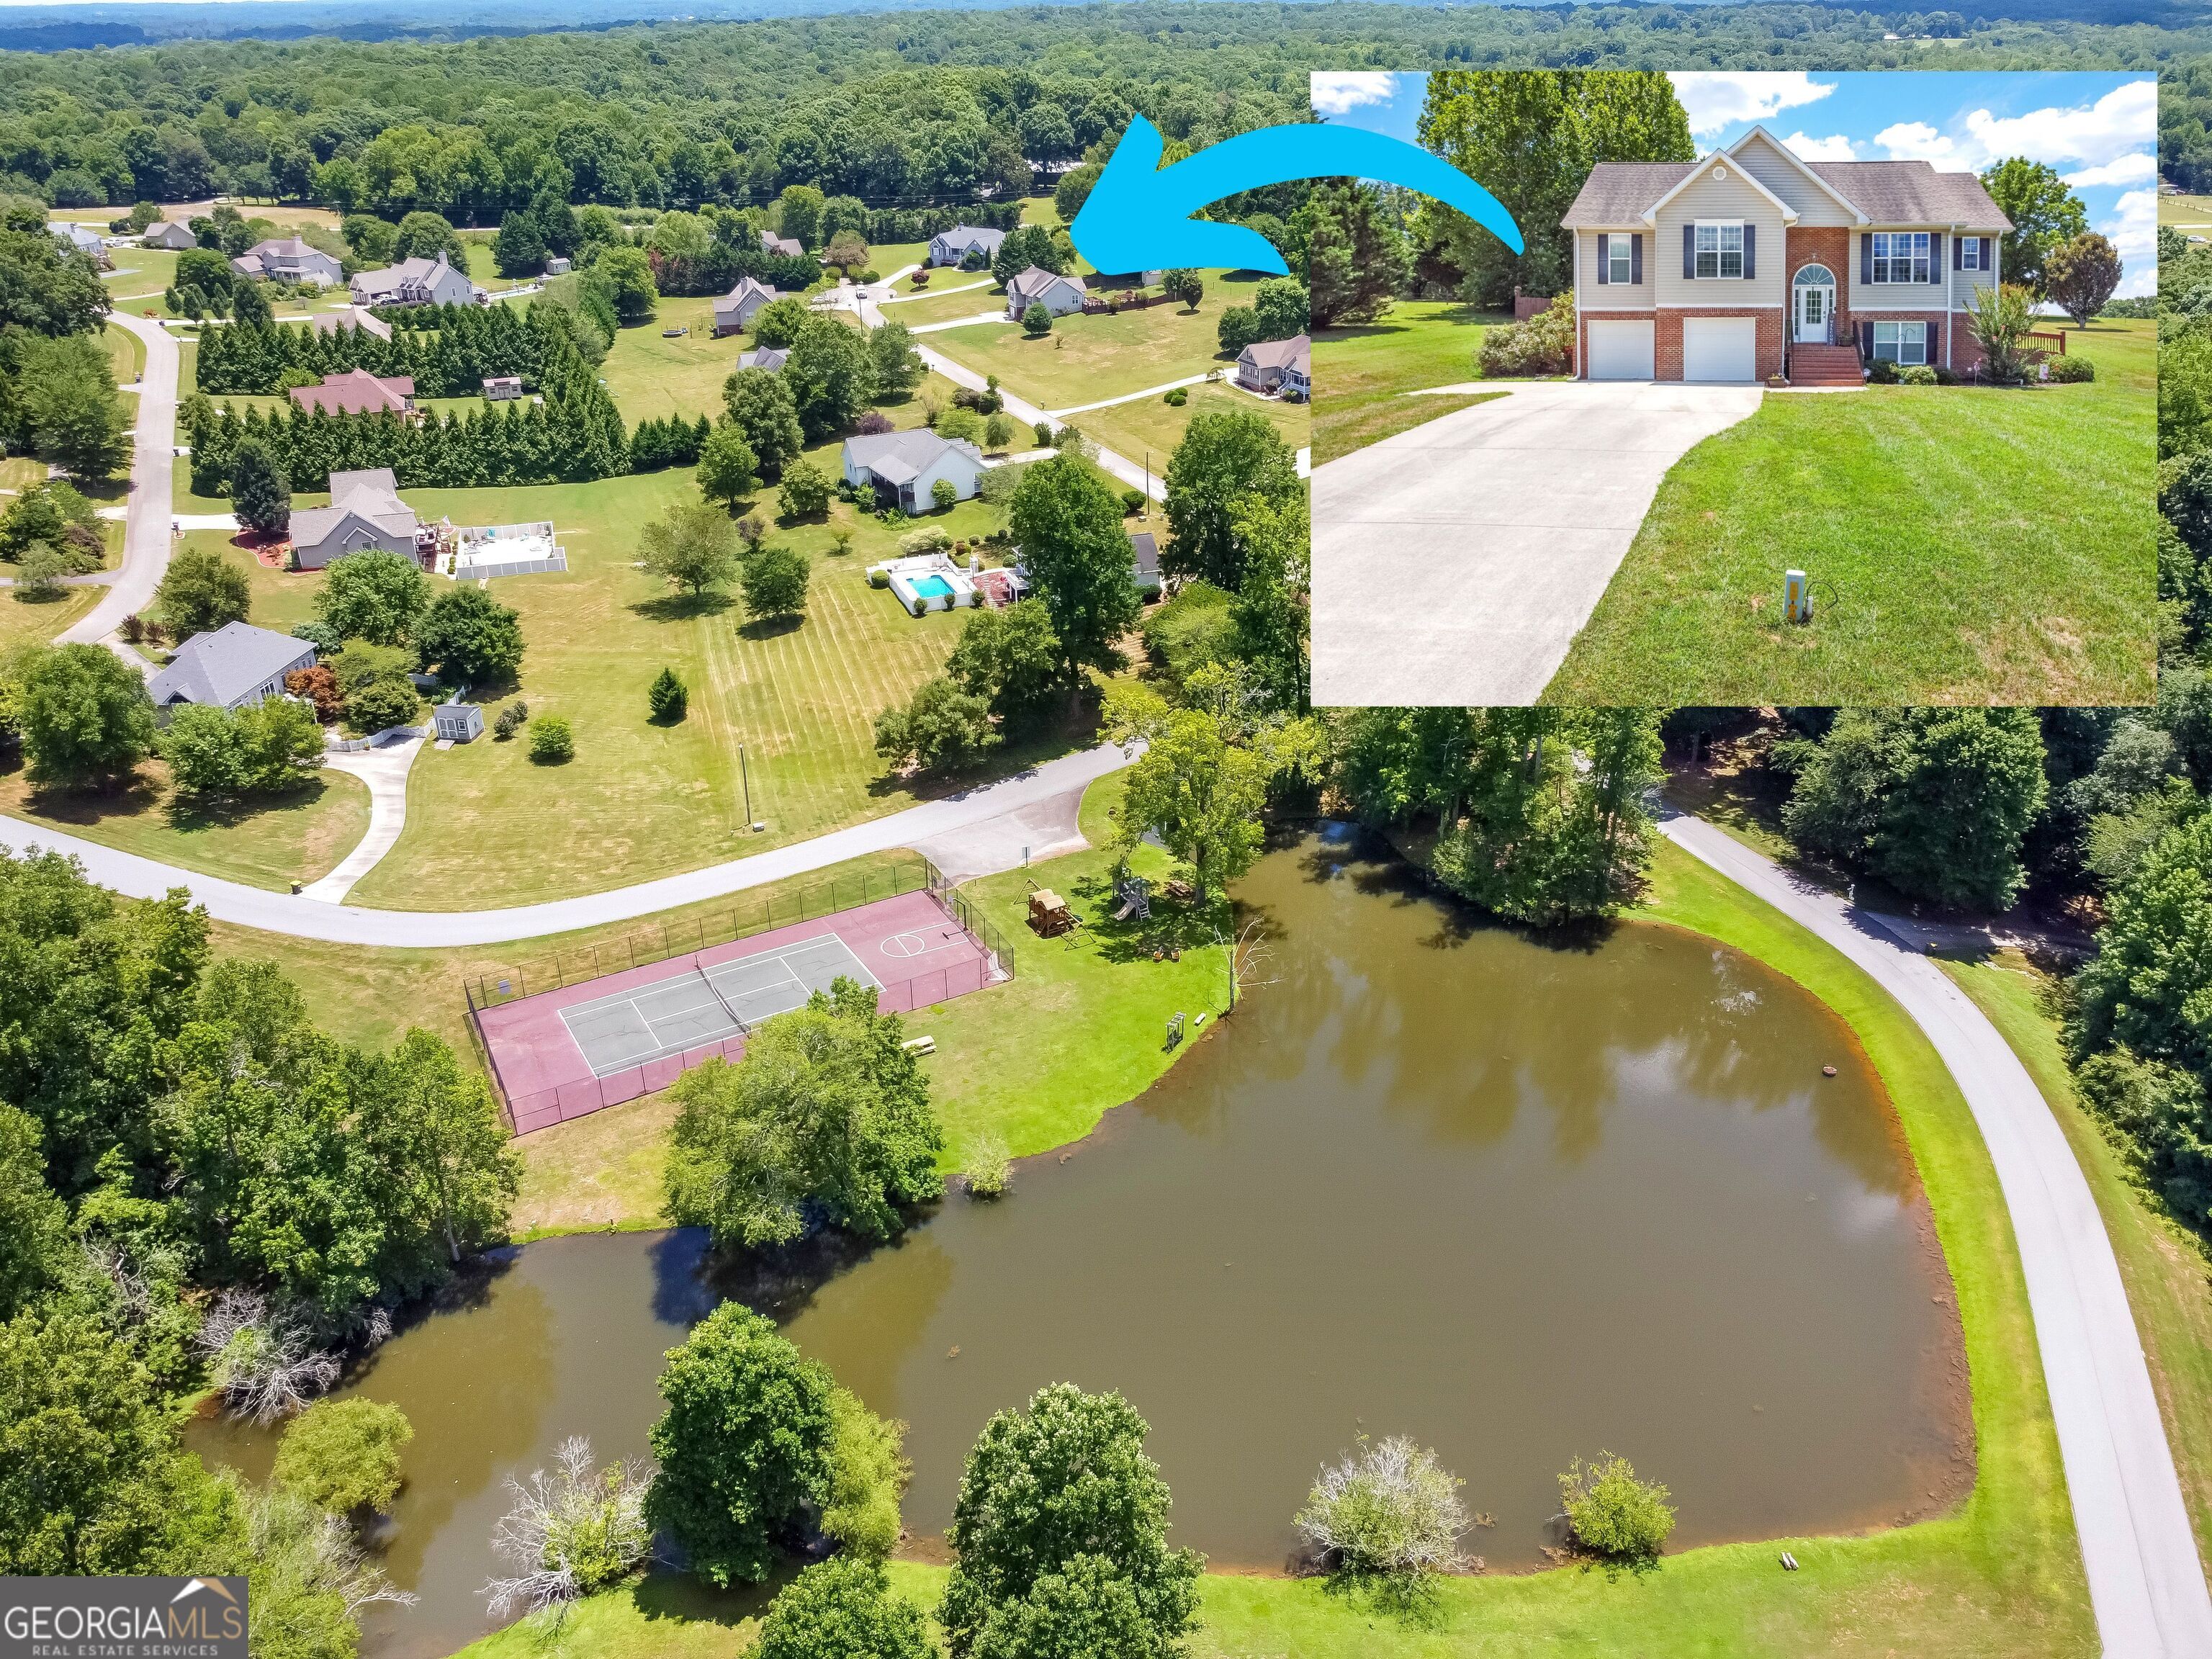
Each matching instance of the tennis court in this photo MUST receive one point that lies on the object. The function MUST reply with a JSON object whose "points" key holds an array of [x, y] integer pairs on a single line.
{"points": [[571, 1051]]}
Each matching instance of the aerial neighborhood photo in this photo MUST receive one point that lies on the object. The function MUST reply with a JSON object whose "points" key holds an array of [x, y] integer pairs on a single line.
{"points": [[1145, 829]]}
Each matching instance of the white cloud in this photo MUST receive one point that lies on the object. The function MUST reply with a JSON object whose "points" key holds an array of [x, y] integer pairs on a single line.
{"points": [[1915, 140], [2124, 120], [2133, 230], [2136, 169], [1835, 148], [1339, 92], [1715, 100]]}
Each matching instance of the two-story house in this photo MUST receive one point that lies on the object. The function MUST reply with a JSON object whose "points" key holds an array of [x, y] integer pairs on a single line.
{"points": [[1752, 262]]}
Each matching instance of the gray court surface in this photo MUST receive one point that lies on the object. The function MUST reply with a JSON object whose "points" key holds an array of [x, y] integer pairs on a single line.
{"points": [[696, 1006]]}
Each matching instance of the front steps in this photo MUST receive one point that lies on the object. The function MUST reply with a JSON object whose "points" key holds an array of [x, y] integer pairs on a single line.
{"points": [[1825, 366]]}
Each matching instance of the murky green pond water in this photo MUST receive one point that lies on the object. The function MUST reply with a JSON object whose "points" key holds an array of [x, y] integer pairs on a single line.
{"points": [[1518, 1199]]}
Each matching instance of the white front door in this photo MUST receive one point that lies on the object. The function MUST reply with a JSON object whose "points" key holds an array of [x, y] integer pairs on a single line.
{"points": [[1816, 307]]}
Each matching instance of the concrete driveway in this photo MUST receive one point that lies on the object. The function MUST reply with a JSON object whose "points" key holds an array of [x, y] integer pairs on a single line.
{"points": [[1454, 564]]}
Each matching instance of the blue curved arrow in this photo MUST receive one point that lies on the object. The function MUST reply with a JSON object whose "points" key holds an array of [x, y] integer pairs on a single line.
{"points": [[1138, 217]]}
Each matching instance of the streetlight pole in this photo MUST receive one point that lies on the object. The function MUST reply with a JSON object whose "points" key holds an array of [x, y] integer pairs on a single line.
{"points": [[745, 774]]}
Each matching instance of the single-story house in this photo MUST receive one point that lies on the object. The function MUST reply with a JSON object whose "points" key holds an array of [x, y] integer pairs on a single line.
{"points": [[767, 357], [1037, 286], [288, 260], [502, 388], [357, 391], [1753, 262], [330, 322], [365, 512], [735, 309], [168, 234], [1144, 549], [417, 281], [951, 247], [234, 666], [906, 465], [557, 265], [89, 242], [787, 245], [1277, 367]]}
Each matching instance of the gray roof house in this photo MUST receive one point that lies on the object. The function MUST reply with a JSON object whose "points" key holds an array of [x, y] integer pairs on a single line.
{"points": [[84, 241], [1144, 549], [289, 261], [416, 282], [907, 466], [1277, 367], [787, 245], [1037, 286], [330, 322], [365, 512], [735, 309], [234, 667], [950, 247], [767, 357], [1753, 262], [168, 234]]}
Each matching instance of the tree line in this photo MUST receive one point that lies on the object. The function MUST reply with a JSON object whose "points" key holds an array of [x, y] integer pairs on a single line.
{"points": [[449, 351]]}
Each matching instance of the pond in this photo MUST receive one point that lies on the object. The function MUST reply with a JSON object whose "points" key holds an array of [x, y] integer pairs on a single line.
{"points": [[1518, 1199]]}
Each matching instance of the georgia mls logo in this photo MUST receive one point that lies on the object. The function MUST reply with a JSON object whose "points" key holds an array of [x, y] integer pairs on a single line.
{"points": [[122, 1619]]}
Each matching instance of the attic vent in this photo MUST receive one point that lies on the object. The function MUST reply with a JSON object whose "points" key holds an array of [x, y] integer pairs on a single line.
{"points": [[1720, 173]]}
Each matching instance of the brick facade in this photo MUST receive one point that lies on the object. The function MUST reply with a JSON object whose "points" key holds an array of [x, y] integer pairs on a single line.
{"points": [[1934, 321], [1766, 348], [1584, 319]]}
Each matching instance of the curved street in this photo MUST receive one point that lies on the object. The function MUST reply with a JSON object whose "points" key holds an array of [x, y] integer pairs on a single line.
{"points": [[147, 537], [2146, 1582]]}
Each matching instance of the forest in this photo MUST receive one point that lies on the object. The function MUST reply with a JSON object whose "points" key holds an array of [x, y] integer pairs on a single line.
{"points": [[898, 108]]}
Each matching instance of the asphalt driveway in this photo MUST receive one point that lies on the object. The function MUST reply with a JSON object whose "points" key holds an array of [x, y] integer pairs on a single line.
{"points": [[1453, 564]]}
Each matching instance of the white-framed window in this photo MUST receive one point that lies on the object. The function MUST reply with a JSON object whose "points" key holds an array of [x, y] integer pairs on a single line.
{"points": [[1900, 256], [1901, 342], [1616, 259], [1969, 253], [1719, 248]]}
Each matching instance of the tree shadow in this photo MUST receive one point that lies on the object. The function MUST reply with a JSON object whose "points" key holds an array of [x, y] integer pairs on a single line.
{"points": [[94, 803], [769, 628], [192, 814], [682, 607]]}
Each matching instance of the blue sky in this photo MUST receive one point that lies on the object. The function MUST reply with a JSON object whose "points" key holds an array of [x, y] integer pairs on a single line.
{"points": [[2099, 131]]}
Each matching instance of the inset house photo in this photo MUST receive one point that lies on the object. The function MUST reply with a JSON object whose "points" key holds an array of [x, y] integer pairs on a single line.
{"points": [[1804, 389]]}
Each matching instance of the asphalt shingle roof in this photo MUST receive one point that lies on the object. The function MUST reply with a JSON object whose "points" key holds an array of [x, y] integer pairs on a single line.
{"points": [[1888, 193], [219, 668]]}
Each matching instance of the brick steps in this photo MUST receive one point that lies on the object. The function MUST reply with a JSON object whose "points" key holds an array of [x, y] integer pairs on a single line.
{"points": [[1825, 365]]}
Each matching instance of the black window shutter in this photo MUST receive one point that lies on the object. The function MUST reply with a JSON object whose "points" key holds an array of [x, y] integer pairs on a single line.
{"points": [[1866, 256], [1958, 253], [1988, 252], [1750, 252], [1604, 259], [1934, 252], [1636, 259], [1689, 251], [1866, 340]]}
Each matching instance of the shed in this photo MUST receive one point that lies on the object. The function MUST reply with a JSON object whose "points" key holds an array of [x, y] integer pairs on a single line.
{"points": [[456, 722], [502, 388]]}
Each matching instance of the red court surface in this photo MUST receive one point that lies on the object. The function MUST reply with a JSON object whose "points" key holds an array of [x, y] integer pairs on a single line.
{"points": [[563, 1054]]}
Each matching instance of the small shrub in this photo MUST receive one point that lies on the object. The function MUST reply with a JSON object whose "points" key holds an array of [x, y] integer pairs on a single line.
{"points": [[879, 579], [990, 1172], [1613, 1514], [1541, 345], [344, 1455], [1916, 374], [510, 720], [552, 740], [1042, 433], [1178, 397], [1132, 500], [1036, 321], [942, 494], [1881, 371], [667, 698], [872, 422], [2070, 371], [1389, 1513]]}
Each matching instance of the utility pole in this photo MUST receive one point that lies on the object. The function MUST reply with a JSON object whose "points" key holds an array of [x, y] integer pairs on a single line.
{"points": [[746, 776]]}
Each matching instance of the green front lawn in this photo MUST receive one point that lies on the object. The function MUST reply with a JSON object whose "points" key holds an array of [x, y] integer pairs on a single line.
{"points": [[2193, 211], [2000, 1577], [1361, 372], [1966, 544], [1152, 427], [951, 294]]}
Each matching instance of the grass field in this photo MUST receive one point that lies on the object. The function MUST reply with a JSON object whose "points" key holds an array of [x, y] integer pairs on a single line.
{"points": [[951, 294], [1966, 544], [1362, 372], [2000, 1577], [2192, 211], [2166, 1269], [24, 621], [1150, 426]]}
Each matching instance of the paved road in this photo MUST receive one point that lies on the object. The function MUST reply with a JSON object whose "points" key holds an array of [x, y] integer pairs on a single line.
{"points": [[974, 814], [2146, 1581], [146, 538], [1454, 564]]}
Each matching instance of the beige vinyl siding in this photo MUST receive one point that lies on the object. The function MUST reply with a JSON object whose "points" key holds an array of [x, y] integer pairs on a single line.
{"points": [[1964, 282], [1814, 206], [1732, 198], [1591, 295], [1917, 296]]}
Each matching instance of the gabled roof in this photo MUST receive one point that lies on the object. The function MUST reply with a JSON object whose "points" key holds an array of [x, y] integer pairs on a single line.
{"points": [[747, 288], [1297, 353], [783, 245], [767, 357], [372, 494], [898, 457], [287, 247], [1704, 168], [356, 391], [167, 232], [408, 273], [1915, 193], [1146, 549], [330, 322], [965, 236], [219, 668], [1036, 281], [1804, 168]]}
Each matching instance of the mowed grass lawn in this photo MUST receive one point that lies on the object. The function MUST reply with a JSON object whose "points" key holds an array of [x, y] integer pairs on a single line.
{"points": [[1362, 373], [2194, 211], [1966, 543], [951, 294], [1999, 1576], [1151, 425]]}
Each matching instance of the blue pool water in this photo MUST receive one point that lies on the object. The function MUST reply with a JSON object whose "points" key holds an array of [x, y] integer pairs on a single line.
{"points": [[932, 587]]}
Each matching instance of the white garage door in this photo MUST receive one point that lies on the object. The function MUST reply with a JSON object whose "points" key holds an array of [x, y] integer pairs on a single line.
{"points": [[1720, 347], [1620, 349]]}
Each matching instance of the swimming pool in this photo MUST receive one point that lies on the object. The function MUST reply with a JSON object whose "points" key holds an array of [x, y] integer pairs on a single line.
{"points": [[932, 588]]}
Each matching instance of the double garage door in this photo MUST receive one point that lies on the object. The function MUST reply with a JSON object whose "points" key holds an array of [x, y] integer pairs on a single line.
{"points": [[1713, 349]]}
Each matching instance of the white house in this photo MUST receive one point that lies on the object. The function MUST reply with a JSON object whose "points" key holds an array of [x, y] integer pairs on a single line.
{"points": [[951, 247], [416, 282], [1278, 368], [365, 512], [735, 309], [89, 242], [289, 261], [907, 466], [234, 666], [1037, 286], [168, 234]]}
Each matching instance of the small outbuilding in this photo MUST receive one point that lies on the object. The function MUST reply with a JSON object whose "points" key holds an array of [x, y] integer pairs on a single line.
{"points": [[502, 388], [456, 722], [1050, 914]]}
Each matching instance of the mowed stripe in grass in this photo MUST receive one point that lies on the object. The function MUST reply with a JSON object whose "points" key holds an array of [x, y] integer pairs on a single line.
{"points": [[1361, 372], [1965, 545]]}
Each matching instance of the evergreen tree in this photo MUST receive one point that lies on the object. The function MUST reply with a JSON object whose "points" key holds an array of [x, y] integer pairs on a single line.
{"points": [[260, 494]]}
